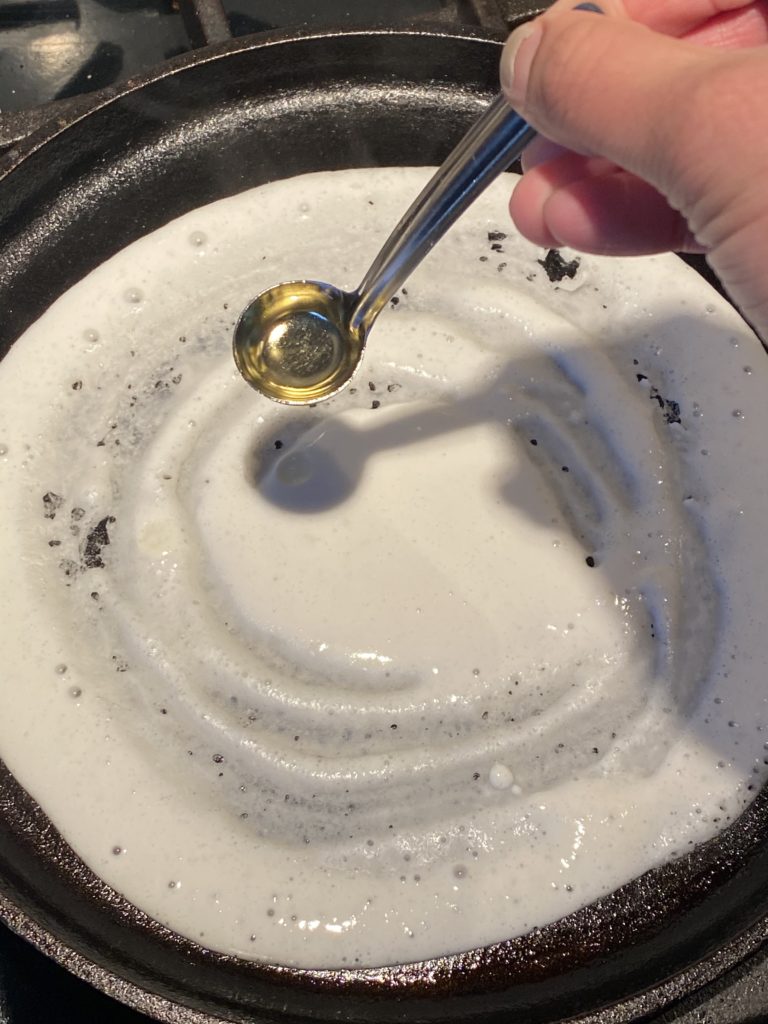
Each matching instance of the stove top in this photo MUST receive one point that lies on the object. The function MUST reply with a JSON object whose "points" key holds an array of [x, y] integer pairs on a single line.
{"points": [[56, 49], [51, 53]]}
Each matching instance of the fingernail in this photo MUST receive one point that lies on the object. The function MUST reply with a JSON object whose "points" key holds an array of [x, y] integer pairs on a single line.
{"points": [[516, 59], [589, 7]]}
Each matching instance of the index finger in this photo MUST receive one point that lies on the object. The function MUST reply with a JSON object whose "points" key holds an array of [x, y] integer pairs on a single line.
{"points": [[679, 17], [671, 17], [734, 29]]}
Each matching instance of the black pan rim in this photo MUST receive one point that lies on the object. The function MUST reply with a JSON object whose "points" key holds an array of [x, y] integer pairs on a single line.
{"points": [[675, 990], [97, 100]]}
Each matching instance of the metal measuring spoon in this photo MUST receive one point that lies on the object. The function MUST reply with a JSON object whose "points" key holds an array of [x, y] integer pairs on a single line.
{"points": [[301, 341]]}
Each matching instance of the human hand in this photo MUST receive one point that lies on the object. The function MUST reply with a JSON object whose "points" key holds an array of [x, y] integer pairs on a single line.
{"points": [[654, 133]]}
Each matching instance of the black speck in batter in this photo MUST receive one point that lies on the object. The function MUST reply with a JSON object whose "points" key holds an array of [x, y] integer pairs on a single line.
{"points": [[97, 539], [51, 504], [670, 409], [556, 267]]}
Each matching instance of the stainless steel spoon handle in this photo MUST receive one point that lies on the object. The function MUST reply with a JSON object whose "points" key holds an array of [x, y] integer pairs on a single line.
{"points": [[496, 139]]}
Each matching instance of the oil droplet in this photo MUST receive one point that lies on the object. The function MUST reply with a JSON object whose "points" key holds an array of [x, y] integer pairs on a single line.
{"points": [[134, 296], [500, 777], [198, 239]]}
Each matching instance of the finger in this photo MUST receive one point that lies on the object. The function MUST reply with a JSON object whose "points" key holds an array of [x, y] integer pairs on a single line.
{"points": [[526, 207], [678, 17], [670, 17], [541, 182], [734, 29], [540, 151], [609, 214]]}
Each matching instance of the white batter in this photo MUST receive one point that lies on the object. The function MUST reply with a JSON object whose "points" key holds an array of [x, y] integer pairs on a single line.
{"points": [[412, 671]]}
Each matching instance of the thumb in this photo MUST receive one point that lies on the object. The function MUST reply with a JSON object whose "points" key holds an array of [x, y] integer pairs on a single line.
{"points": [[604, 86]]}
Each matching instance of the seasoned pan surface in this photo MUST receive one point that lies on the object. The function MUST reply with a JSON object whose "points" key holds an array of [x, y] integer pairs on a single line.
{"points": [[72, 196]]}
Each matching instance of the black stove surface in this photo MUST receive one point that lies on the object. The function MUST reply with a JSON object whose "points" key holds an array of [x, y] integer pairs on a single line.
{"points": [[52, 50]]}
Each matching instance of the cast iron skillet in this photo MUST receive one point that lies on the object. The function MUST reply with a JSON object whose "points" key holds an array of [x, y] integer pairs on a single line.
{"points": [[73, 195]]}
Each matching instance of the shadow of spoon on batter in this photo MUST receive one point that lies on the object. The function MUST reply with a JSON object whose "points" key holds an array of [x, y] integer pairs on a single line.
{"points": [[319, 465]]}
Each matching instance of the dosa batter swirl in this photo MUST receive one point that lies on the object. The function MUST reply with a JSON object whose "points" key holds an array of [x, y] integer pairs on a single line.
{"points": [[413, 671]]}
